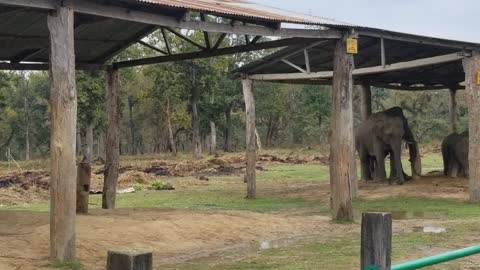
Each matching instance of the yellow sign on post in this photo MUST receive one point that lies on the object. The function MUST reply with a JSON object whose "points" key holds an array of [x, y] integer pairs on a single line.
{"points": [[478, 77], [352, 45]]}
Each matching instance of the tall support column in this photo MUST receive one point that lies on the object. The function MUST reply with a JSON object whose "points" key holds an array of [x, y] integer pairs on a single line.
{"points": [[471, 66], [453, 110], [366, 101], [341, 141], [112, 144], [63, 113], [251, 153]]}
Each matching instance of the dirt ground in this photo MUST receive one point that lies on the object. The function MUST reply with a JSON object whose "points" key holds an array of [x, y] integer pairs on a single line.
{"points": [[172, 234]]}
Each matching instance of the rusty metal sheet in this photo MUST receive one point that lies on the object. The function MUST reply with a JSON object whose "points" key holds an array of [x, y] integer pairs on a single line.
{"points": [[246, 9]]}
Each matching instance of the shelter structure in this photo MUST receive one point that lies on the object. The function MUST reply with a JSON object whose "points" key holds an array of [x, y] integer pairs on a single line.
{"points": [[67, 35]]}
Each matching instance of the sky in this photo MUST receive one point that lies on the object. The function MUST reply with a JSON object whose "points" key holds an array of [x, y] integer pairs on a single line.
{"points": [[452, 19]]}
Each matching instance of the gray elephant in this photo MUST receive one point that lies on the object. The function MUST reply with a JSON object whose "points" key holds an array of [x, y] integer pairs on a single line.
{"points": [[380, 135], [455, 154]]}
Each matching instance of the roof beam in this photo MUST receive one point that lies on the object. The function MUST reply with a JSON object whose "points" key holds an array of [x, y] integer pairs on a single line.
{"points": [[151, 47], [41, 4], [189, 40], [44, 66], [165, 39], [364, 71], [218, 52], [123, 13], [408, 87]]}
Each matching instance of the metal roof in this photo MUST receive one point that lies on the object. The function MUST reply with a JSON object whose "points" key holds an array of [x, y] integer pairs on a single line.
{"points": [[246, 9]]}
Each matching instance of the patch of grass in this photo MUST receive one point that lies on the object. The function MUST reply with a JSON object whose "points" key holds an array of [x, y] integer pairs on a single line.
{"points": [[64, 265], [303, 172], [160, 185], [430, 208]]}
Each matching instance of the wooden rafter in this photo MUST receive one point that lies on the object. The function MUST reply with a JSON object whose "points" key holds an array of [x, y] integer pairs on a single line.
{"points": [[365, 71], [217, 52], [189, 40], [219, 41], [206, 35], [152, 47], [165, 38]]}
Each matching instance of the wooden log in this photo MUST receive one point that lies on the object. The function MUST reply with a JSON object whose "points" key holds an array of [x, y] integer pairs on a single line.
{"points": [[472, 67], [63, 113], [341, 143], [84, 173], [366, 101], [112, 143], [251, 153], [376, 242], [453, 110], [129, 259]]}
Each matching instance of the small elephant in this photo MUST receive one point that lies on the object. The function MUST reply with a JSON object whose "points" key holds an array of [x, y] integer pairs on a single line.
{"points": [[455, 154], [382, 134]]}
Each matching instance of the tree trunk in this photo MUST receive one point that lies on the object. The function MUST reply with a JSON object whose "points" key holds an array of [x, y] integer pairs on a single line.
{"points": [[113, 140], [258, 140], [471, 66], [132, 125], [84, 174], [63, 113], [341, 141], [366, 101], [251, 153], [79, 148], [227, 147], [196, 138], [453, 110], [213, 138], [27, 132], [171, 138], [89, 144]]}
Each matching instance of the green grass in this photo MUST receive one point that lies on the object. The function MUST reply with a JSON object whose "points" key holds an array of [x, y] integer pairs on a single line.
{"points": [[66, 265], [303, 172]]}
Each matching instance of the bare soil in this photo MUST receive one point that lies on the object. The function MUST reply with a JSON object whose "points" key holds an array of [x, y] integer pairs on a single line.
{"points": [[173, 235]]}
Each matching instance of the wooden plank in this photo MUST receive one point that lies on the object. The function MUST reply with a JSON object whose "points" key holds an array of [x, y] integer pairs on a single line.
{"points": [[40, 4], [251, 152], [365, 101], [151, 47], [206, 54], [129, 259], [122, 13], [341, 140], [165, 39], [294, 66], [364, 71], [113, 139], [453, 110], [376, 241], [63, 113], [471, 66]]}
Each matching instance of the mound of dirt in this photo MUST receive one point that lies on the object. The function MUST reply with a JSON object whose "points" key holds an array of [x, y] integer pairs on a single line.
{"points": [[26, 180]]}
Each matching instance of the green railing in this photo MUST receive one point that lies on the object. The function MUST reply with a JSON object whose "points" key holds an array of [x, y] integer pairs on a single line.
{"points": [[437, 259]]}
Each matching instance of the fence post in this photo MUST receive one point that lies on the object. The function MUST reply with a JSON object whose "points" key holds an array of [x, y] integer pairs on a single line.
{"points": [[129, 259], [376, 246]]}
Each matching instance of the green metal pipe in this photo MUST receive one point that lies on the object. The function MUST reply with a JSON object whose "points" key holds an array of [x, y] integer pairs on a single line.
{"points": [[440, 258]]}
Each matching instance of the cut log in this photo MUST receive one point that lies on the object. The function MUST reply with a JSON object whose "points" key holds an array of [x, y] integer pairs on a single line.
{"points": [[251, 153], [376, 248], [471, 66], [112, 145], [63, 113], [129, 259], [341, 141]]}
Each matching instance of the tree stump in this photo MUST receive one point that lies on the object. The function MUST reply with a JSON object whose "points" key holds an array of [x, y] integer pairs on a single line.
{"points": [[84, 173], [129, 259], [376, 247]]}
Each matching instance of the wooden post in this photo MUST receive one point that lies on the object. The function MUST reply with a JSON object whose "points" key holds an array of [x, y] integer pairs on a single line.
{"points": [[366, 101], [376, 246], [129, 259], [453, 110], [63, 113], [112, 144], [341, 141], [471, 66], [84, 172], [251, 153]]}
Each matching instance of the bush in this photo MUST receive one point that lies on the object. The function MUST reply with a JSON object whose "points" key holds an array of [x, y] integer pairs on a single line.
{"points": [[159, 185], [138, 187]]}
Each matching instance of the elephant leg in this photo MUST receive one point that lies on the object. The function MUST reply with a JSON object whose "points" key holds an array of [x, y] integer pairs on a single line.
{"points": [[380, 173], [397, 154], [365, 167], [454, 168], [393, 172]]}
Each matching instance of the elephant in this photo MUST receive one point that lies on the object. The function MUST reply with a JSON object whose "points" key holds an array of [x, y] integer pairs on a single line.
{"points": [[380, 135], [455, 154]]}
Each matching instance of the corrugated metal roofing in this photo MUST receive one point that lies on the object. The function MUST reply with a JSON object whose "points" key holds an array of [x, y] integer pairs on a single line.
{"points": [[247, 9]]}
